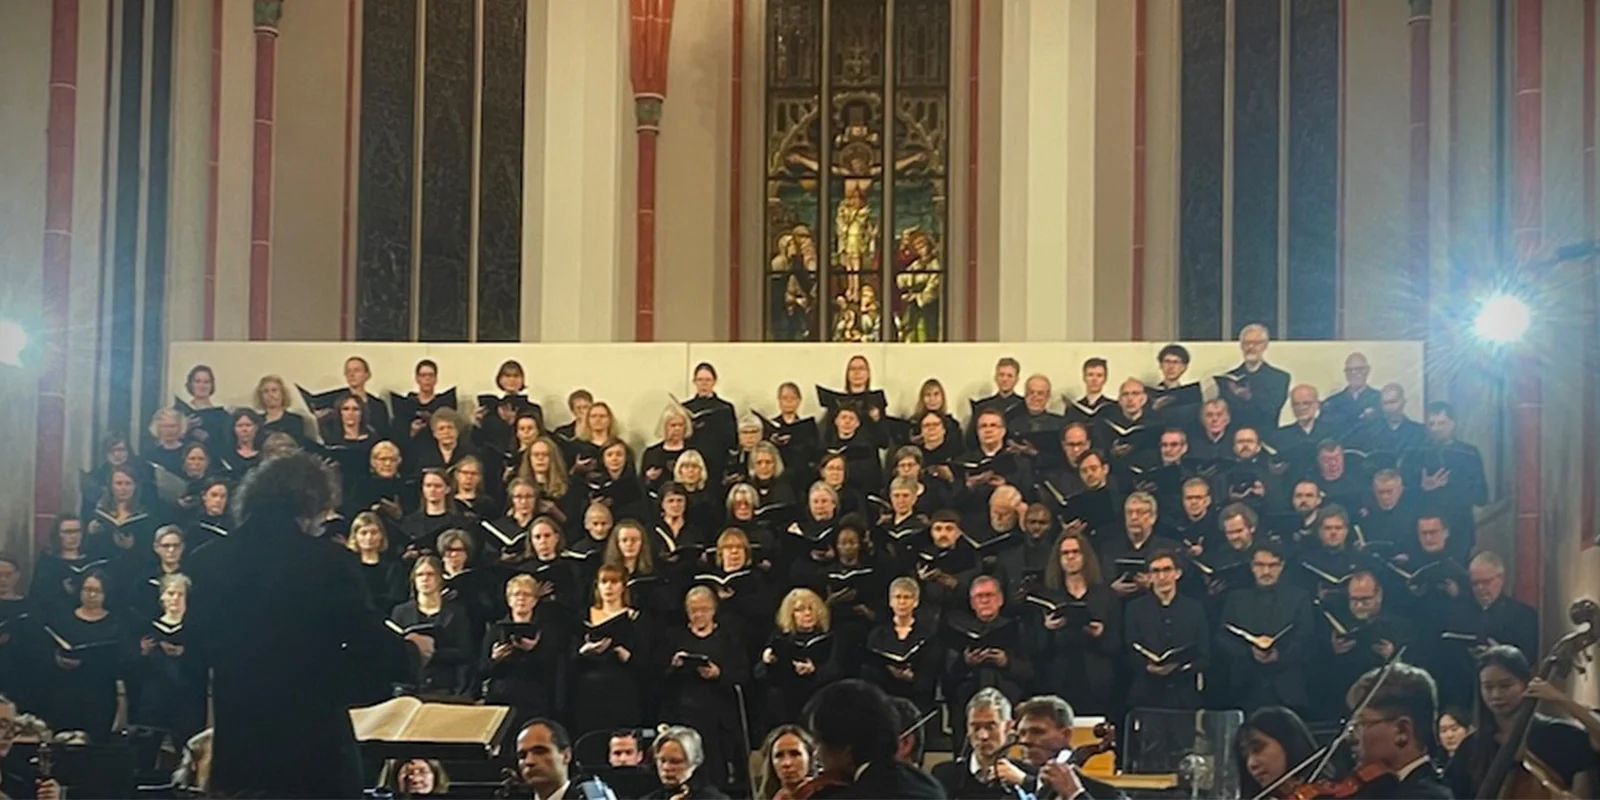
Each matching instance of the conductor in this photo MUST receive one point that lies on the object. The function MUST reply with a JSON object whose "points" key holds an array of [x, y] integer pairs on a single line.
{"points": [[281, 618]]}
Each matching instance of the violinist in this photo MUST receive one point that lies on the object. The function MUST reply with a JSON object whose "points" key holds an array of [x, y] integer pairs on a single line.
{"points": [[1394, 734], [544, 763], [1272, 740], [1044, 729], [678, 756], [985, 772], [1560, 747], [857, 740]]}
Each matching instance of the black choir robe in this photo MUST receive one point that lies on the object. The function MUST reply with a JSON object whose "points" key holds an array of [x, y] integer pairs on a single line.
{"points": [[1174, 406], [798, 442], [1176, 631], [172, 694], [1039, 435], [963, 632], [708, 705], [85, 696], [1384, 443], [863, 461], [1071, 662], [608, 693], [420, 530], [958, 561], [715, 430], [624, 494], [1120, 556], [1397, 526], [385, 582], [1089, 412], [921, 651], [1280, 611], [533, 682], [203, 530], [1269, 389], [1331, 668], [1021, 566], [1465, 625], [1014, 468], [559, 580], [899, 541], [449, 670], [1322, 571], [1466, 489], [1131, 441], [1346, 410], [1297, 444], [745, 606], [1099, 509], [56, 580], [19, 638], [656, 465], [1211, 450], [787, 691]]}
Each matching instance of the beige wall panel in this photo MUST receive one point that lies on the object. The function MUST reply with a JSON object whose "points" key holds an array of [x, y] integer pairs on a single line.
{"points": [[191, 187], [24, 113], [1113, 176], [692, 177], [991, 304], [636, 378], [83, 346], [1377, 121], [1163, 88], [235, 170], [308, 172]]}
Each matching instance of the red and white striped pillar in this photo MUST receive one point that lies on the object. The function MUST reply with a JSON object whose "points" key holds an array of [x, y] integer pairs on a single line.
{"points": [[267, 13], [650, 34]]}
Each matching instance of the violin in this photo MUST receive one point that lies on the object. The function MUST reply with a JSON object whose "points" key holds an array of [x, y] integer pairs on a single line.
{"points": [[1348, 786], [813, 785]]}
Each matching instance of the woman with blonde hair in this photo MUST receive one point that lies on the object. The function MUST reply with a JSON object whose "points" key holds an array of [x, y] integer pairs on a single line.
{"points": [[657, 463], [272, 398], [381, 489], [766, 476], [704, 498], [547, 468], [799, 658], [706, 660], [740, 588], [630, 551], [166, 445], [596, 427], [526, 655], [384, 578], [932, 399], [613, 658], [745, 512]]}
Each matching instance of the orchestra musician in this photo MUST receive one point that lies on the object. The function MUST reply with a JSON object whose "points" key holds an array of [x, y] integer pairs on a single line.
{"points": [[788, 758], [856, 745], [1044, 729], [1393, 734], [1272, 740]]}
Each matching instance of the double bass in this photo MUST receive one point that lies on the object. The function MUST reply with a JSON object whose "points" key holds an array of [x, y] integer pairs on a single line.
{"points": [[1515, 772]]}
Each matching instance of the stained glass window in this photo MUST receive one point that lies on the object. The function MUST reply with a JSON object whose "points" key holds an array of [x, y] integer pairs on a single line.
{"points": [[860, 175]]}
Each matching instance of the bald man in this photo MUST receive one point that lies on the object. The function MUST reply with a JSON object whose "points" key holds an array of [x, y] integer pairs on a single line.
{"points": [[1391, 434], [1255, 390], [1297, 442], [1357, 402]]}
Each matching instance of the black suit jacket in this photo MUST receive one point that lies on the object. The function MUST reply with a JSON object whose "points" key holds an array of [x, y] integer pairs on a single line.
{"points": [[284, 622], [1422, 784]]}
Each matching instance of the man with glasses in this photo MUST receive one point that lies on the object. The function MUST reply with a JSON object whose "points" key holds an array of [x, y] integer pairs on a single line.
{"points": [[1395, 732], [1125, 559], [1264, 637], [1171, 400], [1254, 390], [12, 784], [1296, 442], [1357, 402], [1167, 640], [1360, 637], [1486, 618]]}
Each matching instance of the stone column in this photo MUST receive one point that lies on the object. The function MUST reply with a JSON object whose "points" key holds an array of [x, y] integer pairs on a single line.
{"points": [[267, 13], [1047, 171], [650, 36]]}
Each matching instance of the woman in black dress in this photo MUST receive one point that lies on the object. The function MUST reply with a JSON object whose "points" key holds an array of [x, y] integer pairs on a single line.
{"points": [[382, 489], [437, 627], [272, 397], [60, 569], [797, 438], [1076, 647], [904, 654], [931, 399], [703, 500], [244, 447], [705, 663], [527, 657], [613, 662], [775, 496], [116, 453], [84, 663], [165, 449], [172, 689], [527, 429], [548, 470], [761, 544], [834, 472], [206, 422], [437, 515], [381, 573], [656, 465], [124, 525], [211, 521], [648, 588], [799, 658], [599, 426], [557, 577], [616, 484], [744, 603], [16, 614], [471, 498], [349, 439]]}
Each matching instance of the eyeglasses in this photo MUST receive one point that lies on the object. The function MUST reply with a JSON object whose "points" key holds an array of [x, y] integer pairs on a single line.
{"points": [[1358, 724], [1162, 570]]}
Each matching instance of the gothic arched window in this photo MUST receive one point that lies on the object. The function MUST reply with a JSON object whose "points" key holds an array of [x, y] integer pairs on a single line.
{"points": [[857, 131]]}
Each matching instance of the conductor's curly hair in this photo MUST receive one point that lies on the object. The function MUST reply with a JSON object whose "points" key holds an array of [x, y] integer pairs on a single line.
{"points": [[297, 485]]}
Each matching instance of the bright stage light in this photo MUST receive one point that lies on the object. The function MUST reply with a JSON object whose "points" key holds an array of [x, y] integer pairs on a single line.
{"points": [[13, 340], [1502, 319]]}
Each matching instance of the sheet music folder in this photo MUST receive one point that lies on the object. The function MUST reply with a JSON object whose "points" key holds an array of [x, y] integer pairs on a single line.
{"points": [[406, 727]]}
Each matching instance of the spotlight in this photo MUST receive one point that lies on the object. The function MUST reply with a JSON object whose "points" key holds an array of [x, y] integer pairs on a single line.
{"points": [[13, 340], [1502, 319]]}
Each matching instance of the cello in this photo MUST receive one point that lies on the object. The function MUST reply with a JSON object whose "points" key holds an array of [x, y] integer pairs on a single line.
{"points": [[1515, 772]]}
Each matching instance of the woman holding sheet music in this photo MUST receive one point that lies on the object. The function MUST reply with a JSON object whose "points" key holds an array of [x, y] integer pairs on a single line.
{"points": [[557, 577], [613, 659], [437, 515], [743, 505], [84, 663], [244, 447], [60, 567], [526, 656], [437, 627], [904, 653], [1075, 630], [172, 692], [123, 522], [799, 658], [705, 661], [659, 460], [165, 449]]}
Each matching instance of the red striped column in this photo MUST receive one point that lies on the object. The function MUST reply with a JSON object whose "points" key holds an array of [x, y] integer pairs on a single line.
{"points": [[267, 13], [650, 28], [56, 276], [1421, 28], [1527, 238], [736, 176]]}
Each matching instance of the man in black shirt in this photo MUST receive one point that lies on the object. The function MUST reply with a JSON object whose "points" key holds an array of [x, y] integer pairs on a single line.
{"points": [[1296, 442], [1387, 438], [1357, 402], [1391, 515], [857, 739], [1254, 390], [1487, 618], [1213, 439], [1034, 428], [1124, 559], [1265, 635], [1449, 474], [982, 773], [1168, 641]]}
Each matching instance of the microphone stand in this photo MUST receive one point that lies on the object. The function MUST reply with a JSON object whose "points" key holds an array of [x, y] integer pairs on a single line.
{"points": [[1322, 757]]}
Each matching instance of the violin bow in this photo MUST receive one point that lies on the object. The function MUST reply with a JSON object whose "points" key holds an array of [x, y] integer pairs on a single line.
{"points": [[1325, 755]]}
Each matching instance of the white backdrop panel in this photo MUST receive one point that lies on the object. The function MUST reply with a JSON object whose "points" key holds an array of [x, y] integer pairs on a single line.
{"points": [[636, 378]]}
